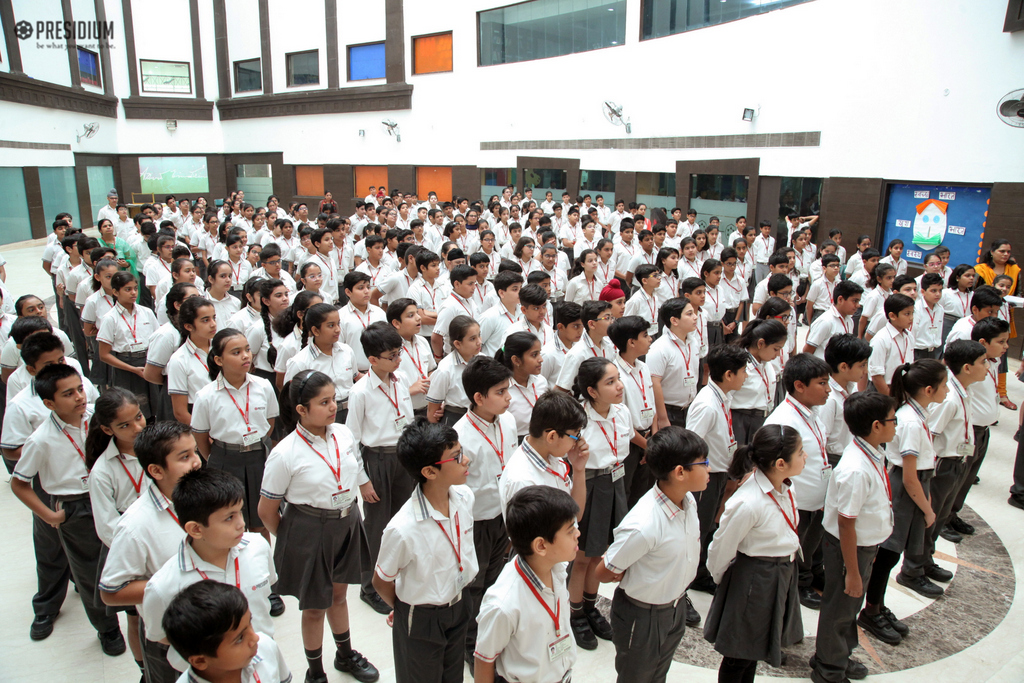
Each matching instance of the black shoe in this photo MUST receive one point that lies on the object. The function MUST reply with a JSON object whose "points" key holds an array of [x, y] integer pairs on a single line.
{"points": [[950, 535], [879, 627], [937, 573], [960, 526], [376, 602], [315, 678], [705, 585], [356, 666], [276, 605], [977, 479], [42, 626], [692, 615], [854, 669], [810, 598], [896, 624], [585, 638], [921, 585], [1015, 502], [598, 624], [112, 642]]}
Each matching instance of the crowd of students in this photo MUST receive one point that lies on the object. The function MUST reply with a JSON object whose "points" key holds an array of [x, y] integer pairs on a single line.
{"points": [[528, 400]]}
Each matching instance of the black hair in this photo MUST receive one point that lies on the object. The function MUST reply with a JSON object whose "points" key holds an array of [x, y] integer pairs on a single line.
{"points": [[314, 317], [807, 367], [691, 284], [986, 296], [188, 313], [930, 279], [38, 343], [289, 319], [267, 288], [673, 308], [538, 512], [425, 258], [459, 327], [769, 331], [460, 273], [708, 266], [725, 358], [482, 373], [769, 444], [673, 447], [779, 258], [558, 411], [774, 306], [863, 408], [300, 390], [380, 337], [211, 270], [175, 297], [896, 304], [625, 328], [846, 348], [645, 271], [270, 250], [106, 409], [423, 444], [589, 375], [506, 279], [46, 379], [566, 312], [911, 378], [533, 295], [846, 289], [252, 290], [354, 278], [203, 491], [23, 328], [902, 281], [19, 304], [535, 278], [120, 279], [778, 282], [397, 308], [591, 310], [958, 272], [197, 618], [153, 444], [217, 345], [989, 328], [962, 352], [987, 256], [581, 258], [878, 272], [516, 344]]}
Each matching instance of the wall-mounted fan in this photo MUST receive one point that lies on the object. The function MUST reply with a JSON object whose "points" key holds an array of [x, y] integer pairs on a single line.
{"points": [[613, 114], [88, 131], [1011, 109], [391, 128]]}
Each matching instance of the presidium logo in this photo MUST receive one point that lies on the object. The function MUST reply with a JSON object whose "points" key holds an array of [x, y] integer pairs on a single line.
{"points": [[82, 31]]}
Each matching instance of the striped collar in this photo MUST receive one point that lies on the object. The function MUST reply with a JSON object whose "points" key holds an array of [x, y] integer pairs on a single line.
{"points": [[871, 451], [422, 509], [536, 458], [189, 560], [665, 503], [158, 499]]}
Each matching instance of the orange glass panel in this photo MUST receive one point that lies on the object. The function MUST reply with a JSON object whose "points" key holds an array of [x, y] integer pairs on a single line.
{"points": [[432, 54], [434, 178], [309, 181]]}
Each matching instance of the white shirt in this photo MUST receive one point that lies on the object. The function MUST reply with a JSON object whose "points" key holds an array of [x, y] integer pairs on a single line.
{"points": [[446, 382], [452, 306], [19, 379], [828, 325], [219, 409], [900, 266], [162, 345], [353, 322], [240, 273], [757, 521], [187, 371], [417, 553], [640, 258], [647, 307], [763, 249], [956, 303], [515, 630], [146, 536], [831, 417], [758, 390], [373, 408], [983, 397], [962, 329], [580, 290], [10, 356], [950, 421], [527, 467], [224, 309], [639, 392], [912, 437], [428, 297], [608, 437], [115, 482], [890, 348], [489, 446], [339, 365], [927, 325], [124, 330], [676, 363], [249, 567], [417, 363], [583, 349], [56, 452], [709, 415], [523, 400], [243, 319], [267, 665], [810, 484], [301, 468], [860, 489], [657, 545], [493, 323], [873, 303], [820, 293], [553, 355], [395, 286], [688, 268], [714, 304]]}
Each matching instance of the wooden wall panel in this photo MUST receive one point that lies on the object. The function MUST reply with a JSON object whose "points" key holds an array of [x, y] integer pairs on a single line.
{"points": [[854, 205]]}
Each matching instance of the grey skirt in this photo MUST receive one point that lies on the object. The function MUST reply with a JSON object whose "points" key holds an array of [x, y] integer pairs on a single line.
{"points": [[756, 609], [908, 529], [745, 423], [248, 467], [605, 508], [99, 372], [314, 552]]}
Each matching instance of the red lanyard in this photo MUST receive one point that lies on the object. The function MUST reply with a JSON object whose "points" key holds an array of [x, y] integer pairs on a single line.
{"points": [[842, 319], [563, 477], [341, 254], [686, 357], [256, 675], [416, 359], [590, 285], [931, 316], [508, 315], [500, 452], [458, 539], [766, 243], [164, 264], [593, 348], [649, 300], [728, 417], [964, 303], [829, 289], [337, 457], [461, 303], [359, 318], [726, 281], [245, 415], [640, 384], [236, 272], [686, 262], [700, 327], [883, 474], [135, 484], [967, 425], [201, 361], [902, 352], [132, 327], [238, 581], [757, 369], [168, 508], [714, 297], [791, 523], [74, 443], [527, 398], [612, 444], [555, 613], [818, 437], [393, 402]]}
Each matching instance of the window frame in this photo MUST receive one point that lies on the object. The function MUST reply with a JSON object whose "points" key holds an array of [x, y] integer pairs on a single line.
{"points": [[413, 40], [142, 77], [259, 72], [348, 61], [288, 70], [99, 68], [643, 7]]}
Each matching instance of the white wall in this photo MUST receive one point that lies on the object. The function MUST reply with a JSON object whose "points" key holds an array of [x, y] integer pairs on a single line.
{"points": [[297, 26], [163, 32], [243, 28], [50, 61]]}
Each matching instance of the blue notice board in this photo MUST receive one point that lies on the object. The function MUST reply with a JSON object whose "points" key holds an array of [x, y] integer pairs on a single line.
{"points": [[925, 216]]}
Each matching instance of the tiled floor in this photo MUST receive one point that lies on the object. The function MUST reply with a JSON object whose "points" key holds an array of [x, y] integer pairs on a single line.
{"points": [[72, 653]]}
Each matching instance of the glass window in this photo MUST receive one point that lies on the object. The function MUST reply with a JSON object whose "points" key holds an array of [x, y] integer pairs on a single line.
{"points": [[256, 180], [303, 68], [720, 196], [801, 196], [494, 180], [366, 62], [309, 181], [100, 180], [598, 183], [666, 17], [166, 76], [544, 179], [15, 224], [248, 76], [432, 54], [549, 28], [656, 190], [89, 67], [59, 191]]}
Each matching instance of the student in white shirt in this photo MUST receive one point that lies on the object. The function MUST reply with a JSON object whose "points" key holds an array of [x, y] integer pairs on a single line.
{"points": [[498, 318], [757, 538], [674, 361], [596, 316], [521, 354], [188, 368], [837, 319], [893, 345], [822, 289], [752, 403], [123, 337], [879, 289], [624, 251], [646, 302], [928, 316], [894, 252], [847, 358], [762, 250], [446, 397], [218, 291], [417, 358], [323, 350]]}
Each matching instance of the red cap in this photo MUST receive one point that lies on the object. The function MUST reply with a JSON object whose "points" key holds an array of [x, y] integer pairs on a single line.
{"points": [[612, 291]]}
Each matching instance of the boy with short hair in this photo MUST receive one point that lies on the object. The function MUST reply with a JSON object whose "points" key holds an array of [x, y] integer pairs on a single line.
{"points": [[891, 347], [857, 518], [694, 290], [458, 302], [630, 336], [985, 302], [646, 254], [495, 320], [644, 303], [822, 289], [778, 264], [208, 503], [428, 557], [56, 453], [374, 265], [596, 318], [847, 357], [762, 250], [709, 416], [396, 285], [210, 625], [427, 291], [625, 249], [836, 320], [654, 556], [533, 306], [568, 331], [928, 317], [417, 356], [806, 380], [379, 409], [521, 637], [357, 314]]}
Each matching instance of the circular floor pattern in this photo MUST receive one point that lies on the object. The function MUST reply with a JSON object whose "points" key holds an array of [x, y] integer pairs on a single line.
{"points": [[976, 601]]}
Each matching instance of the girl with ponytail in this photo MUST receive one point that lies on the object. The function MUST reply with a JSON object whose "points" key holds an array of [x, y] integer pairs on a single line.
{"points": [[763, 340], [911, 456], [288, 326], [263, 340], [521, 354], [323, 350], [187, 371], [756, 609]]}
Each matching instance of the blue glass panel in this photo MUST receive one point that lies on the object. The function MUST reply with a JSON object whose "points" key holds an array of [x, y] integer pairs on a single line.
{"points": [[366, 61]]}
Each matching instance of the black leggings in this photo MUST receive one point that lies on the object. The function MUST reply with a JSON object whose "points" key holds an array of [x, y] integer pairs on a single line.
{"points": [[737, 670], [885, 560]]}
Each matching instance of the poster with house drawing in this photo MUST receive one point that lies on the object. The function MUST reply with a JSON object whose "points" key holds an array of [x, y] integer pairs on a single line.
{"points": [[930, 223], [928, 216]]}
